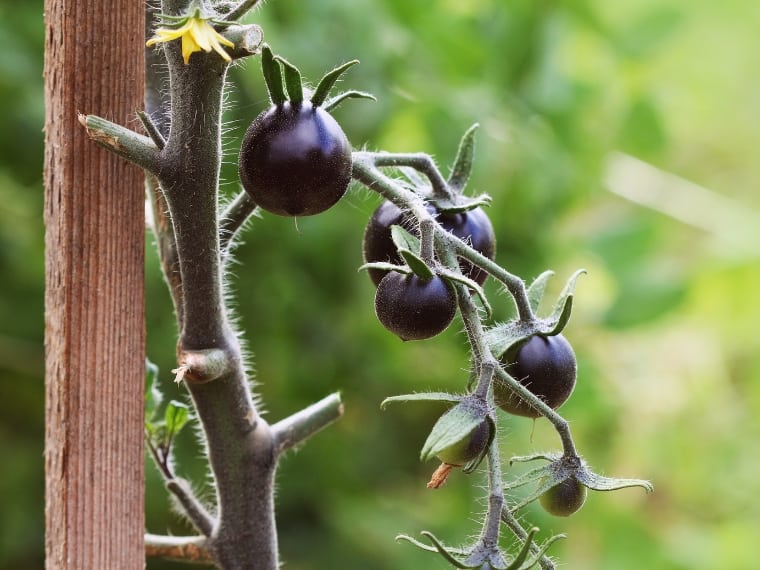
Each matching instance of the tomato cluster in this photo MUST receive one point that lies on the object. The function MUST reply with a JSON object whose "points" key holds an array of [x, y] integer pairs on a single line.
{"points": [[472, 226]]}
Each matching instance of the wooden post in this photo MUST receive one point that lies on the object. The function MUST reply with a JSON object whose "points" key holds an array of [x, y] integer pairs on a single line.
{"points": [[94, 301]]}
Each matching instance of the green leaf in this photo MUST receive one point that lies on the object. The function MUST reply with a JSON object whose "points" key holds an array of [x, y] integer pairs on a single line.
{"points": [[272, 76], [293, 82], [416, 264], [327, 82], [153, 396], [460, 172], [176, 416], [451, 428], [422, 397], [462, 204], [537, 288]]}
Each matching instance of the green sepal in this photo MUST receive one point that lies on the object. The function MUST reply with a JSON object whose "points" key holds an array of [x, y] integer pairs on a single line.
{"points": [[508, 336], [333, 102], [537, 288], [470, 284], [438, 546], [327, 82], [402, 239], [564, 306], [416, 264], [521, 563], [422, 397], [602, 483], [385, 266], [272, 76], [460, 172], [462, 204], [153, 395], [176, 416], [452, 427], [407, 245], [293, 83]]}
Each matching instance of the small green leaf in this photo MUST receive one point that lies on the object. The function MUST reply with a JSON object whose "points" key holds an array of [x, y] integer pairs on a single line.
{"points": [[333, 102], [272, 76], [293, 82], [537, 288], [153, 396], [451, 428], [422, 397], [327, 82], [176, 416], [460, 172], [517, 563], [416, 264]]}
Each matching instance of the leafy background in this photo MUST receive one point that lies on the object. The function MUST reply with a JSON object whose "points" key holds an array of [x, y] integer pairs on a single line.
{"points": [[665, 321]]}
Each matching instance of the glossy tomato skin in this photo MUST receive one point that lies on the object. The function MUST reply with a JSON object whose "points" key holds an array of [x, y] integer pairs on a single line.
{"points": [[564, 498], [469, 448], [545, 365], [474, 227], [295, 160], [413, 308]]}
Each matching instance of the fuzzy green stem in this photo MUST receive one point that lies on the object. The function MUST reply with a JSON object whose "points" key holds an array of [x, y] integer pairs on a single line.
{"points": [[295, 429], [419, 161], [517, 529], [233, 218], [240, 10]]}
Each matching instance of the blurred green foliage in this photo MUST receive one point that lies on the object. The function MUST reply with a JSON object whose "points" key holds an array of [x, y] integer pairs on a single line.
{"points": [[665, 321]]}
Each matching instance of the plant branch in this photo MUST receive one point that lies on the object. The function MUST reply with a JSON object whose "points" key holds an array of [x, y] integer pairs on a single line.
{"points": [[233, 218], [517, 529], [297, 428], [240, 10], [121, 141], [195, 511], [419, 161], [190, 549]]}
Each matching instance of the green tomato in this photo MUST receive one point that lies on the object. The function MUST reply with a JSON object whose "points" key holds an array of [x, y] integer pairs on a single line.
{"points": [[469, 447], [564, 498]]}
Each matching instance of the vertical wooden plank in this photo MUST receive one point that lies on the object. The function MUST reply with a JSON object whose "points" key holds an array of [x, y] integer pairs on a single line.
{"points": [[94, 302]]}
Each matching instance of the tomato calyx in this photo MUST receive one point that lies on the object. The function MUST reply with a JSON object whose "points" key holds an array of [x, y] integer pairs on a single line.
{"points": [[564, 481]]}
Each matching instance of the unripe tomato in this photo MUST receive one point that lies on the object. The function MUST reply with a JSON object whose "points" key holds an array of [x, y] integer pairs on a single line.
{"points": [[415, 308], [546, 366], [474, 227], [295, 160], [469, 448], [564, 498]]}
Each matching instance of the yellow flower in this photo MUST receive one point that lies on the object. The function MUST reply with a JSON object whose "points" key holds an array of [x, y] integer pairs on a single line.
{"points": [[197, 34]]}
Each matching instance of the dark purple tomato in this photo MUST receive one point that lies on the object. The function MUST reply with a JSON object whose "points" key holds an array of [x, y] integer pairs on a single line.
{"points": [[469, 448], [564, 498], [413, 308], [474, 227], [546, 366], [295, 160]]}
